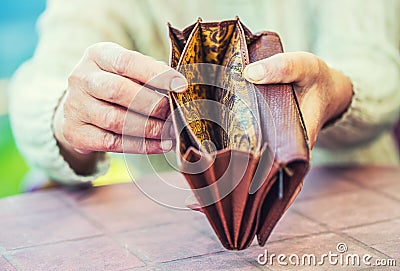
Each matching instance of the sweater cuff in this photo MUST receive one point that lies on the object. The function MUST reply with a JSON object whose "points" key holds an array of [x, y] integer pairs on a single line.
{"points": [[350, 129], [61, 172]]}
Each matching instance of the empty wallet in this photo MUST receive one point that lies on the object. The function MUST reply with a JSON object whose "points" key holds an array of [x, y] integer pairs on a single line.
{"points": [[243, 148]]}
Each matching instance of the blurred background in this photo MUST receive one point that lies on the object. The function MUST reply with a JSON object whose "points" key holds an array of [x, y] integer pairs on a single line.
{"points": [[18, 40]]}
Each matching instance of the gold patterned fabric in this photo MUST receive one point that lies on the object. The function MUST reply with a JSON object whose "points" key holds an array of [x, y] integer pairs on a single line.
{"points": [[238, 115]]}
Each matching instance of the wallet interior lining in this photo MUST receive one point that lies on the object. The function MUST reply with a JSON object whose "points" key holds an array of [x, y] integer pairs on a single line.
{"points": [[238, 116]]}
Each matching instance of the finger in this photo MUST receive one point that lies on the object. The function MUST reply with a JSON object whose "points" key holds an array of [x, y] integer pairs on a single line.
{"points": [[125, 92], [295, 67], [122, 121], [116, 59], [91, 138]]}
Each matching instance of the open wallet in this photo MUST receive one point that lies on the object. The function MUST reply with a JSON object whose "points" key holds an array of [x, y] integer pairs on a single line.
{"points": [[243, 148]]}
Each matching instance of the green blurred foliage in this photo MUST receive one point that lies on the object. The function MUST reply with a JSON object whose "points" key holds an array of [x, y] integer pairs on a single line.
{"points": [[12, 166]]}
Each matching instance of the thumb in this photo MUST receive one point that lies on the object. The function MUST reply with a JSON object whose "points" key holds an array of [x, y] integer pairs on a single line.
{"points": [[282, 68]]}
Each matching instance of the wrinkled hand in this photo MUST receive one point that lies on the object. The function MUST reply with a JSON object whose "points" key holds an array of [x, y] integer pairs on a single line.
{"points": [[324, 93], [107, 81]]}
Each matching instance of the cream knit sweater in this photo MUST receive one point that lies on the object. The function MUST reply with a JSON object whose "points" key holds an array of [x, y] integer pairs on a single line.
{"points": [[359, 37]]}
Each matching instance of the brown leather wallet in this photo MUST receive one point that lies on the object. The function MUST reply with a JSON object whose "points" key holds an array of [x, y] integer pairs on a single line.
{"points": [[243, 147]]}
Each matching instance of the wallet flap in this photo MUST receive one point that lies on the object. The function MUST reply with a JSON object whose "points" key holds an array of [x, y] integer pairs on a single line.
{"points": [[291, 147], [279, 99]]}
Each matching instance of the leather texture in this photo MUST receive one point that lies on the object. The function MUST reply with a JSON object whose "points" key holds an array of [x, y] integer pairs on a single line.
{"points": [[258, 151]]}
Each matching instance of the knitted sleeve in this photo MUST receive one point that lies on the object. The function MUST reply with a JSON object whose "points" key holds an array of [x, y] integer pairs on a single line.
{"points": [[66, 29]]}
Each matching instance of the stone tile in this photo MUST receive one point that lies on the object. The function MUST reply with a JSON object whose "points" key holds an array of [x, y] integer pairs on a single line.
{"points": [[294, 225], [374, 175], [386, 180], [168, 189], [147, 268], [350, 209], [129, 214], [220, 261], [168, 242], [101, 194], [43, 228], [391, 190], [384, 237], [29, 203], [390, 248], [5, 265], [198, 221], [312, 245], [131, 210], [325, 181], [386, 268], [98, 253], [377, 233]]}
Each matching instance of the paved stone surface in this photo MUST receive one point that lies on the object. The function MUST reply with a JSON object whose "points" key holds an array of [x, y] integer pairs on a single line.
{"points": [[118, 228], [98, 253], [350, 209], [5, 265], [44, 228], [40, 201]]}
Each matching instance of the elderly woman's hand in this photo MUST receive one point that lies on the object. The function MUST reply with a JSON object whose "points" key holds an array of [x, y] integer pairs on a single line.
{"points": [[324, 93], [102, 87]]}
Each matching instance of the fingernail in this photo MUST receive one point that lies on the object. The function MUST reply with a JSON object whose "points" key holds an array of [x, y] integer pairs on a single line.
{"points": [[254, 72], [178, 84], [166, 145], [82, 151]]}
